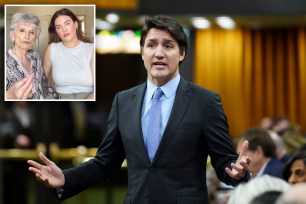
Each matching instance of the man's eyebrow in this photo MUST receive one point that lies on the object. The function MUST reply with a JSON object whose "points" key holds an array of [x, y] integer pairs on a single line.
{"points": [[152, 39], [168, 40], [163, 40]]}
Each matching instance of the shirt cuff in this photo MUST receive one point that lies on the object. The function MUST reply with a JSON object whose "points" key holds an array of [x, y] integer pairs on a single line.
{"points": [[59, 192]]}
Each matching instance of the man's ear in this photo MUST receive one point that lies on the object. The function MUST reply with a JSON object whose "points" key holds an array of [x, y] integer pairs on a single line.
{"points": [[141, 51], [182, 55], [259, 150]]}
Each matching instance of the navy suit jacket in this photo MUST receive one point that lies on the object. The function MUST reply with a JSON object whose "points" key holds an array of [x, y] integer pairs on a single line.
{"points": [[197, 127], [274, 168]]}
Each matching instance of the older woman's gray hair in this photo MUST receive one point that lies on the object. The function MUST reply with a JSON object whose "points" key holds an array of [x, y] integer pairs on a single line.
{"points": [[24, 17]]}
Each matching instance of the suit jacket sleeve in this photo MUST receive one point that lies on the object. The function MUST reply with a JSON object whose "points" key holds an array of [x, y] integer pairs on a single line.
{"points": [[104, 166], [219, 144]]}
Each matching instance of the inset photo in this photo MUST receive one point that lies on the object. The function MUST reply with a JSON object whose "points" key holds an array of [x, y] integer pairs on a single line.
{"points": [[50, 52]]}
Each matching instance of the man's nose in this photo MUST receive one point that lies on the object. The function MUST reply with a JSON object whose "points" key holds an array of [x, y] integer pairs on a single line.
{"points": [[159, 52]]}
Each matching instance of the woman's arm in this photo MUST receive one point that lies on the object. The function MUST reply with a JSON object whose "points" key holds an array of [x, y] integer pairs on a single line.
{"points": [[47, 63], [92, 68], [92, 65]]}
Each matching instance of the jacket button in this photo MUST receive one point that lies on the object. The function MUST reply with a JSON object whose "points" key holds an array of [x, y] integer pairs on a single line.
{"points": [[147, 198]]}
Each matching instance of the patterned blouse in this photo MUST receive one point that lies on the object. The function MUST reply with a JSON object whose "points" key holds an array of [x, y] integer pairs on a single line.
{"points": [[15, 72]]}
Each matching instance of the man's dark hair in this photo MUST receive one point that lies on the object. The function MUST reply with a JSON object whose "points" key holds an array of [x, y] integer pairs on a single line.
{"points": [[260, 137], [168, 24]]}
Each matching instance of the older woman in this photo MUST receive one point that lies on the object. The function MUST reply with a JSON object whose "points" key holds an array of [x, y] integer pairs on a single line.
{"points": [[24, 73], [295, 169]]}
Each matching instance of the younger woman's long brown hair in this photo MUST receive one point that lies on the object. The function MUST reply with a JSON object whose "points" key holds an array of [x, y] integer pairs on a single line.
{"points": [[66, 12]]}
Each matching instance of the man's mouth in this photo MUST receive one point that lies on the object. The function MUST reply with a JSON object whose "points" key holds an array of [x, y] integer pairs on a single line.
{"points": [[159, 64]]}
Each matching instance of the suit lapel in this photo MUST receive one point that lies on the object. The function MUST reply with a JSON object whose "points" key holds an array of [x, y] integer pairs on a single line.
{"points": [[180, 105], [136, 107]]}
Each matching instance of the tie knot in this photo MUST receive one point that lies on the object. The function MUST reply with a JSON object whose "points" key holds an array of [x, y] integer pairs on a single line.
{"points": [[157, 93]]}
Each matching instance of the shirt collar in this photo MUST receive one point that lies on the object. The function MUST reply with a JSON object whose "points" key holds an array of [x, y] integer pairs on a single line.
{"points": [[262, 169], [168, 89]]}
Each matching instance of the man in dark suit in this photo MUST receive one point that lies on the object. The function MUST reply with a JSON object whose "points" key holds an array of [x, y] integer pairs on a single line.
{"points": [[262, 150], [193, 125]]}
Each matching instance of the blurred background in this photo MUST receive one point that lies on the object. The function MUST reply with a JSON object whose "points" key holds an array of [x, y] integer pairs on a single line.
{"points": [[253, 53]]}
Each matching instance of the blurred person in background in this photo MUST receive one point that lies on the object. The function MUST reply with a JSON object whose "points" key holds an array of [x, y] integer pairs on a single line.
{"points": [[281, 151], [280, 125], [16, 131], [293, 138], [262, 151], [295, 195], [268, 197], [25, 77], [246, 192], [295, 169], [266, 123], [70, 57], [264, 160], [25, 124]]}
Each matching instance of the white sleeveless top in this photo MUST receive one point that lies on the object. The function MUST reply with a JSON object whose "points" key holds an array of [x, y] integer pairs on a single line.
{"points": [[71, 68]]}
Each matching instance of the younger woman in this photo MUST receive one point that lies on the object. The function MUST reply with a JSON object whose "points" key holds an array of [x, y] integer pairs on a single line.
{"points": [[70, 57]]}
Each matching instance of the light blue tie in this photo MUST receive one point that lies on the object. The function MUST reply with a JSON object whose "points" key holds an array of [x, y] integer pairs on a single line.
{"points": [[153, 134]]}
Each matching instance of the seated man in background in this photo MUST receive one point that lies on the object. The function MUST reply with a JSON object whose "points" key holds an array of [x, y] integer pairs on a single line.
{"points": [[262, 151]]}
